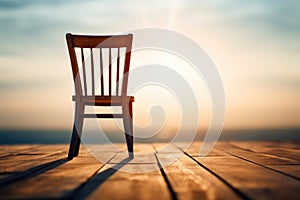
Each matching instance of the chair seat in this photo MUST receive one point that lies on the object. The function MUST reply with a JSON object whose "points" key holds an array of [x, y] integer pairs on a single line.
{"points": [[104, 100]]}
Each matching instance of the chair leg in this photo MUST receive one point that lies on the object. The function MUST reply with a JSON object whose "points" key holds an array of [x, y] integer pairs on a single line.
{"points": [[77, 131], [128, 126]]}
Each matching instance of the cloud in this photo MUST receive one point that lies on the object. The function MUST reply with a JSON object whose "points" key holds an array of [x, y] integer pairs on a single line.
{"points": [[34, 23], [271, 18], [17, 4]]}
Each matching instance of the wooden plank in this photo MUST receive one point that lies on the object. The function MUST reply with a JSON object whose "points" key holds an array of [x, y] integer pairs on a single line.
{"points": [[293, 170], [48, 149], [252, 180], [56, 182], [191, 181], [120, 178], [144, 153], [228, 172], [9, 161], [7, 150], [21, 169], [194, 150], [28, 155], [259, 157], [144, 159], [116, 148], [16, 160], [267, 160], [144, 148], [110, 183], [268, 144], [139, 158], [282, 149], [166, 148]]}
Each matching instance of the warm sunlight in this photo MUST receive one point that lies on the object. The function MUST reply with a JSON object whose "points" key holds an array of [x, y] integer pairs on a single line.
{"points": [[210, 109], [256, 58]]}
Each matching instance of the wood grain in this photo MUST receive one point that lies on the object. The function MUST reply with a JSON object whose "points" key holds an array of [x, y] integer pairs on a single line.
{"points": [[233, 170], [252, 180], [191, 181]]}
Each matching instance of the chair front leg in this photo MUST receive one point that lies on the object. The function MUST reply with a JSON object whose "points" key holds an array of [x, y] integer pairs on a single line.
{"points": [[77, 131]]}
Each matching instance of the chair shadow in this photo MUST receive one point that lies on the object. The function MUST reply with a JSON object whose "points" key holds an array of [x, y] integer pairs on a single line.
{"points": [[85, 190], [31, 172]]}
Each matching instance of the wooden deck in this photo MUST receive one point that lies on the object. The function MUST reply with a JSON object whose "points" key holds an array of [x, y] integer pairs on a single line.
{"points": [[233, 170]]}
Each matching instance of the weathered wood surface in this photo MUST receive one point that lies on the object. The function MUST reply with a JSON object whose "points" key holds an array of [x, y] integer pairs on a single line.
{"points": [[233, 170]]}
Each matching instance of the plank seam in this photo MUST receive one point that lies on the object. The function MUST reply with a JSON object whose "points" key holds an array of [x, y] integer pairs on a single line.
{"points": [[236, 191], [32, 172], [28, 161], [16, 153], [245, 149], [275, 170], [267, 153], [171, 190], [82, 185]]}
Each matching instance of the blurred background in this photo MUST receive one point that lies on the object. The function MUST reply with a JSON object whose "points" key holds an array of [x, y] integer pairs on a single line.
{"points": [[255, 46]]}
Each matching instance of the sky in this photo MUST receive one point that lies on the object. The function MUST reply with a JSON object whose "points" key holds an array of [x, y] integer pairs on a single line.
{"points": [[255, 46]]}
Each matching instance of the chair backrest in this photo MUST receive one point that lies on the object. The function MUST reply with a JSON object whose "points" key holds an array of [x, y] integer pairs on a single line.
{"points": [[92, 50]]}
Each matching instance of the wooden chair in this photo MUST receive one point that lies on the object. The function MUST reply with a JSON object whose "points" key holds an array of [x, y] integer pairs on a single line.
{"points": [[83, 97]]}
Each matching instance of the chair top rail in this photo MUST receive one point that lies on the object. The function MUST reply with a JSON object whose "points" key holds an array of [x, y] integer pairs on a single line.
{"points": [[108, 41]]}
